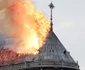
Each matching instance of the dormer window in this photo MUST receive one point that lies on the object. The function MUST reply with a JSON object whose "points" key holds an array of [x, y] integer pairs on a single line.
{"points": [[64, 51], [51, 50]]}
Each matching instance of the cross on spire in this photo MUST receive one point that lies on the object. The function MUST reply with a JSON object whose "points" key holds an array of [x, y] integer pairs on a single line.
{"points": [[51, 7]]}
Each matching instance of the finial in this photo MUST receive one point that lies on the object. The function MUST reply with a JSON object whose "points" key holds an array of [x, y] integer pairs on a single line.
{"points": [[51, 7]]}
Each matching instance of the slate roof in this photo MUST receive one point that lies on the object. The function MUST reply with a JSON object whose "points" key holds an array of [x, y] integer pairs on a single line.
{"points": [[53, 50]]}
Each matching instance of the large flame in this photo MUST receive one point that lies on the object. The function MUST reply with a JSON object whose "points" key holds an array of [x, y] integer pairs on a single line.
{"points": [[23, 21]]}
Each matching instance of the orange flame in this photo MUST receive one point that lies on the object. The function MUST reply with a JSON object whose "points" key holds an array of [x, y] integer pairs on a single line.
{"points": [[29, 25]]}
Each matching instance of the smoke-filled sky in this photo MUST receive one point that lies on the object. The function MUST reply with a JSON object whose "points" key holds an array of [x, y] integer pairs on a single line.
{"points": [[69, 24]]}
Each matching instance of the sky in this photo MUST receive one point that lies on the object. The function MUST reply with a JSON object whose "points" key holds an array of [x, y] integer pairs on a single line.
{"points": [[68, 25]]}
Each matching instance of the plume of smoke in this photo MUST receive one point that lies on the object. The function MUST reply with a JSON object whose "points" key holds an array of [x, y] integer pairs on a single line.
{"points": [[8, 26], [21, 20], [5, 3]]}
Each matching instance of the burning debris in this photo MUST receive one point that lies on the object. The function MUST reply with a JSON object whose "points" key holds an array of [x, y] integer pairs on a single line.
{"points": [[8, 56]]}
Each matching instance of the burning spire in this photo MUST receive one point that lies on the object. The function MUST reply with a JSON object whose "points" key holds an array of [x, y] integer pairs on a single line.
{"points": [[51, 7]]}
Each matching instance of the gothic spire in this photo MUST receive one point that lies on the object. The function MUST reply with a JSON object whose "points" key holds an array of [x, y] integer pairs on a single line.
{"points": [[51, 16]]}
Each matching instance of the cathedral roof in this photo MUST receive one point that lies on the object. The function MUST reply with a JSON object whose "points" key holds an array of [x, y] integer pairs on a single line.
{"points": [[54, 51]]}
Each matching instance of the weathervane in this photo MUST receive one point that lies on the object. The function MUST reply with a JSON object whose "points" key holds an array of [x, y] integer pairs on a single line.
{"points": [[51, 7]]}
